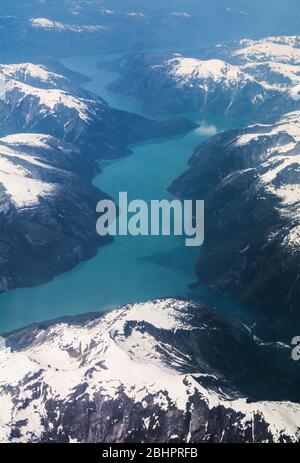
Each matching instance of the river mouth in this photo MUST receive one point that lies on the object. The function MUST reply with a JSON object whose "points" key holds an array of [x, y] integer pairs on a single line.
{"points": [[132, 269]]}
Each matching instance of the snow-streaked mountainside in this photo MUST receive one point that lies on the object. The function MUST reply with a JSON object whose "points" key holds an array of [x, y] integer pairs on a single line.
{"points": [[34, 74], [250, 179], [214, 69], [31, 166], [41, 101], [147, 372], [280, 49], [175, 83], [279, 164], [258, 78], [38, 100], [47, 210]]}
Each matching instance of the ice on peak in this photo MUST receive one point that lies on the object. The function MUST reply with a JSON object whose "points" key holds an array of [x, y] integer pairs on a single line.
{"points": [[214, 68], [37, 71], [46, 23], [278, 49]]}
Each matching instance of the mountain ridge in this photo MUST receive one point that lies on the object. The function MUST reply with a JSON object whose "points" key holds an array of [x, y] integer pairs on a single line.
{"points": [[225, 79], [80, 376]]}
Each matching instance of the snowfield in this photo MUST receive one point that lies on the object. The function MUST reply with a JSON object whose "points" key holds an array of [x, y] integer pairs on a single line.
{"points": [[280, 170], [16, 173], [282, 49], [28, 72]]}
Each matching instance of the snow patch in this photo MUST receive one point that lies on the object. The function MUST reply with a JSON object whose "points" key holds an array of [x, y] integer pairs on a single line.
{"points": [[295, 92]]}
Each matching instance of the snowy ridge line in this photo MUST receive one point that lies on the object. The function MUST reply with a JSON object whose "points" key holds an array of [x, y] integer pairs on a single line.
{"points": [[280, 166], [49, 99], [259, 78], [25, 72]]}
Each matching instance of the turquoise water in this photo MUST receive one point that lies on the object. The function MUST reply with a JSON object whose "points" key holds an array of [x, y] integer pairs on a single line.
{"points": [[132, 268]]}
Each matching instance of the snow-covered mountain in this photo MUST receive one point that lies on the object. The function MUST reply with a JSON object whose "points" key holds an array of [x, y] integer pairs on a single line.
{"points": [[41, 101], [47, 210], [250, 179], [278, 49], [38, 100], [257, 79], [35, 75], [272, 61], [175, 83], [149, 372]]}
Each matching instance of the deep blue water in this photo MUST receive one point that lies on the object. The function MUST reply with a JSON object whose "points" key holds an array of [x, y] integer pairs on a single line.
{"points": [[131, 269]]}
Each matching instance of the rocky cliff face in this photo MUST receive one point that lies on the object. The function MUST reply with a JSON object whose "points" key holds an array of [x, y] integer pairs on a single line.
{"points": [[161, 371], [249, 179], [256, 79]]}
